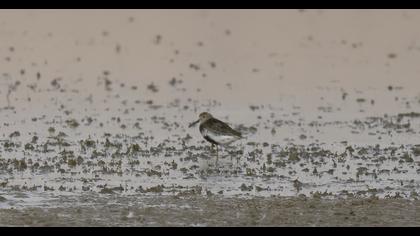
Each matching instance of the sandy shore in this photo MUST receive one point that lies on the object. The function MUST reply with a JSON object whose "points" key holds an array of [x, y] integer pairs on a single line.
{"points": [[215, 211]]}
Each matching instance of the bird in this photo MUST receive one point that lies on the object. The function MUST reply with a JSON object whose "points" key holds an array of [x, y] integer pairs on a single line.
{"points": [[215, 131]]}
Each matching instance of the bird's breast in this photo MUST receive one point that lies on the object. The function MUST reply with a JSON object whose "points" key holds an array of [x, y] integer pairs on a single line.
{"points": [[216, 137]]}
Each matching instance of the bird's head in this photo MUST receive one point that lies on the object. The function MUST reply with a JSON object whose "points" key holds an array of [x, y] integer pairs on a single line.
{"points": [[203, 117]]}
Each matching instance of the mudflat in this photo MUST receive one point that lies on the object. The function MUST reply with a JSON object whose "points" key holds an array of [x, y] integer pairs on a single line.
{"points": [[94, 117], [219, 211]]}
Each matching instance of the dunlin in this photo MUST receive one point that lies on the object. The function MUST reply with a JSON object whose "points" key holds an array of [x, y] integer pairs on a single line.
{"points": [[216, 132]]}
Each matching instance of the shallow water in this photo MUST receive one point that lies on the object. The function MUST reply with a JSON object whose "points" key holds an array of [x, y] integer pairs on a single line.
{"points": [[329, 108]]}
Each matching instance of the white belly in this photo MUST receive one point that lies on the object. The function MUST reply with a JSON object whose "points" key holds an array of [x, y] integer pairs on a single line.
{"points": [[222, 139]]}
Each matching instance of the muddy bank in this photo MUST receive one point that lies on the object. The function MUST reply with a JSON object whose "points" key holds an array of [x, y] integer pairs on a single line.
{"points": [[94, 117], [215, 211]]}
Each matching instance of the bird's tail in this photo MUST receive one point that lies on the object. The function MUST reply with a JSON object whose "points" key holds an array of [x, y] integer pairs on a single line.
{"points": [[245, 131]]}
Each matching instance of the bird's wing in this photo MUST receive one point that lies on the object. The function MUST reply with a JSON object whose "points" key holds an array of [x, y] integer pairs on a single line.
{"points": [[221, 127]]}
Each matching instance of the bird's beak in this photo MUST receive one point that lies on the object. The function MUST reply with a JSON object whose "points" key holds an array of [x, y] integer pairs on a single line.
{"points": [[193, 123]]}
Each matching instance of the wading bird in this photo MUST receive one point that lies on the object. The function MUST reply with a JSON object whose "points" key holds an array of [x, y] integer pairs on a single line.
{"points": [[215, 131]]}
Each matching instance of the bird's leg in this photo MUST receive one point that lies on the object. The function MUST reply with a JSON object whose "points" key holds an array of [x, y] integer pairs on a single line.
{"points": [[239, 156], [217, 154], [212, 149]]}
